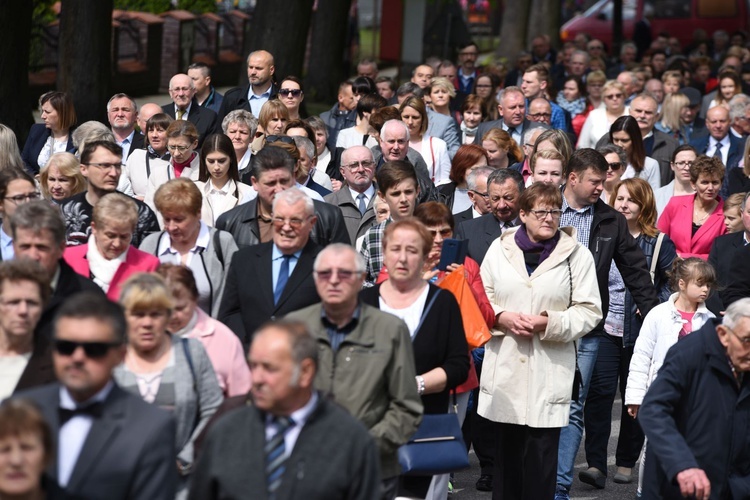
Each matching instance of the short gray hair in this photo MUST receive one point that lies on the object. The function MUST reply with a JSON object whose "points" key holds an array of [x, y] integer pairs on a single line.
{"points": [[292, 196], [737, 106], [475, 174], [396, 122], [37, 216], [508, 90], [305, 144], [735, 312], [530, 131], [242, 117], [501, 175], [90, 131], [122, 96], [338, 249]]}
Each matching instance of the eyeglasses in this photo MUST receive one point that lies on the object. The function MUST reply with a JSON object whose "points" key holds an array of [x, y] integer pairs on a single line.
{"points": [[615, 166], [294, 223], [745, 341], [486, 196], [542, 214], [683, 164], [175, 147], [343, 274], [106, 166], [280, 138], [92, 350], [293, 92], [613, 96], [538, 116], [22, 198], [445, 232], [355, 165]]}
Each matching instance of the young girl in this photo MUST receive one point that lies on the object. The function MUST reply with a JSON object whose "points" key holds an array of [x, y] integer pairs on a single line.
{"points": [[684, 312]]}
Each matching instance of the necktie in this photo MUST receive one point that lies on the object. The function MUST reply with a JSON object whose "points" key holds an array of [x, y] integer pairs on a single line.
{"points": [[179, 114], [283, 278], [717, 153], [275, 451], [362, 206], [94, 410]]}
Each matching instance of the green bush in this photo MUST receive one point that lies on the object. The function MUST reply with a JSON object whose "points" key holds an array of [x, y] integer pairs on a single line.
{"points": [[159, 6]]}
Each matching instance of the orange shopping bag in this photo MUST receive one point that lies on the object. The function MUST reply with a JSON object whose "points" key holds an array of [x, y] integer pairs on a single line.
{"points": [[475, 328]]}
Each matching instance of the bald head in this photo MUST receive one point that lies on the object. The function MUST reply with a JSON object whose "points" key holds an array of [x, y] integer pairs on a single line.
{"points": [[181, 90], [147, 111], [260, 69], [717, 122]]}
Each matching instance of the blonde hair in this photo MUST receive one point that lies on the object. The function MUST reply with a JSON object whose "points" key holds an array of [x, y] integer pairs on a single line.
{"points": [[673, 104], [146, 292], [69, 166], [115, 207], [443, 83]]}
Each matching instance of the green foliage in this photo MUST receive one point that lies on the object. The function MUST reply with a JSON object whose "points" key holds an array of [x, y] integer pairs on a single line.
{"points": [[159, 6], [42, 16]]}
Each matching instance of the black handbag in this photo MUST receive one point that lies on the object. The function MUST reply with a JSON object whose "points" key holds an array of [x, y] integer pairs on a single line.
{"points": [[438, 446]]}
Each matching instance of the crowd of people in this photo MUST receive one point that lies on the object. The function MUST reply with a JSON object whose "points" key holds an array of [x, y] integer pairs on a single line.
{"points": [[223, 298]]}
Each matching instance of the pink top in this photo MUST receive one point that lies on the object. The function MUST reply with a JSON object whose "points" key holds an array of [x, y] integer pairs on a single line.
{"points": [[224, 349], [677, 222]]}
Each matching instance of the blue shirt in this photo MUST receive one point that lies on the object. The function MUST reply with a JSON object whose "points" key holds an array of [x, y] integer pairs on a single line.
{"points": [[257, 101], [6, 246]]}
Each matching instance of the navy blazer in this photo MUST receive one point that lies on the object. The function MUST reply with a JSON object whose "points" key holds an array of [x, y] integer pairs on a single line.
{"points": [[38, 135]]}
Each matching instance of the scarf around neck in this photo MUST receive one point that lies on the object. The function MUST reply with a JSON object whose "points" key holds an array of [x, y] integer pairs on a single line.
{"points": [[544, 248]]}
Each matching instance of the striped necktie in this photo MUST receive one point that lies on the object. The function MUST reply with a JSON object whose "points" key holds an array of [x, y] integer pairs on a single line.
{"points": [[275, 452]]}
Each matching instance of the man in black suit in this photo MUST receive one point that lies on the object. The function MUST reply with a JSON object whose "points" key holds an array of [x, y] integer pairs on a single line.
{"points": [[38, 232], [477, 184], [250, 223], [122, 113], [186, 107], [504, 188], [512, 109], [271, 279], [110, 444]]}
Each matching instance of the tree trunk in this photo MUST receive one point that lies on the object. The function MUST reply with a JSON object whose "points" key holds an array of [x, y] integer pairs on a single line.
{"points": [[544, 19], [280, 27], [15, 30], [513, 29], [326, 69], [85, 65]]}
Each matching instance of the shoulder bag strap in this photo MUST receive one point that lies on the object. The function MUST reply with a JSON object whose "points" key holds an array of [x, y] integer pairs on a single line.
{"points": [[189, 358], [655, 257]]}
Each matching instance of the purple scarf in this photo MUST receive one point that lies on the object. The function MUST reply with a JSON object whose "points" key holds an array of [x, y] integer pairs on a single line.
{"points": [[545, 247]]}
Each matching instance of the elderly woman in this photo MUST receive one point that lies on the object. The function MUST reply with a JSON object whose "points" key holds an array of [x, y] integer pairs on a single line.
{"points": [[219, 179], [433, 149], [240, 126], [90, 131], [166, 370], [16, 188], [626, 133], [61, 177], [188, 241], [543, 288], [182, 142], [141, 162], [694, 221], [108, 258], [223, 347], [682, 159], [359, 134], [52, 136], [26, 449], [600, 120], [455, 193], [292, 93], [433, 319]]}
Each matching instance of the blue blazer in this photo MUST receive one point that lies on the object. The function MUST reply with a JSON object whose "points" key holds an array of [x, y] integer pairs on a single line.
{"points": [[38, 135]]}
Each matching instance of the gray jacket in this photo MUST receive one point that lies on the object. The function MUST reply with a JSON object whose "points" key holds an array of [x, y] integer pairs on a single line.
{"points": [[215, 261], [197, 393]]}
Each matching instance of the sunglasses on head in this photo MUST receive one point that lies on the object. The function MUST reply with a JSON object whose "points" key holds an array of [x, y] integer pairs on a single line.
{"points": [[279, 138], [293, 92], [93, 350]]}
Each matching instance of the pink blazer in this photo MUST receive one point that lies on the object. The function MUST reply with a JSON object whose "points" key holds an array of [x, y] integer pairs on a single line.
{"points": [[677, 222], [135, 262], [224, 349]]}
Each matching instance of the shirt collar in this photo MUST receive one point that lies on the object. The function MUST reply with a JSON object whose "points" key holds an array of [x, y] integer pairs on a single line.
{"points": [[201, 243], [351, 325], [5, 240], [185, 111], [128, 139], [68, 403], [276, 253], [225, 189], [264, 95], [300, 416], [369, 193], [723, 142], [566, 207]]}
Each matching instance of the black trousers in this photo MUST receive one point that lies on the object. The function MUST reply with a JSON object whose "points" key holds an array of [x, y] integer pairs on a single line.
{"points": [[480, 433], [525, 462], [612, 366]]}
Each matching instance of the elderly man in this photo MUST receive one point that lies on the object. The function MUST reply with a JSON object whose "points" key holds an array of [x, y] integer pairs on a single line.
{"points": [[629, 81], [691, 124], [260, 87], [275, 277], [251, 223], [286, 426], [655, 88], [720, 143], [356, 197], [696, 414], [122, 112], [476, 181], [512, 110], [342, 115], [539, 111], [145, 113], [205, 93], [101, 165], [185, 107], [394, 146], [110, 443], [376, 385], [504, 188], [534, 85], [739, 116], [368, 68], [26, 358]]}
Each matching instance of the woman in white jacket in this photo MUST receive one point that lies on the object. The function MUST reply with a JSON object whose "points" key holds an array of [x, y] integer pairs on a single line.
{"points": [[667, 323], [542, 286]]}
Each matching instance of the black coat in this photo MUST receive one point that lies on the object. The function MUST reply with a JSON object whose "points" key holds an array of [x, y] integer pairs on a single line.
{"points": [[721, 256], [236, 98], [738, 284], [38, 135], [242, 222], [204, 119], [480, 232], [696, 416]]}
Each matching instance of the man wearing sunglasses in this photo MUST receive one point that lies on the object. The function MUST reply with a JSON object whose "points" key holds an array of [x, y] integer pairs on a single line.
{"points": [[110, 443], [375, 383]]}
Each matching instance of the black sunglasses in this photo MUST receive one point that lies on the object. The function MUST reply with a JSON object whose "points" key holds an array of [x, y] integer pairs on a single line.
{"points": [[294, 92], [93, 350], [279, 138]]}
